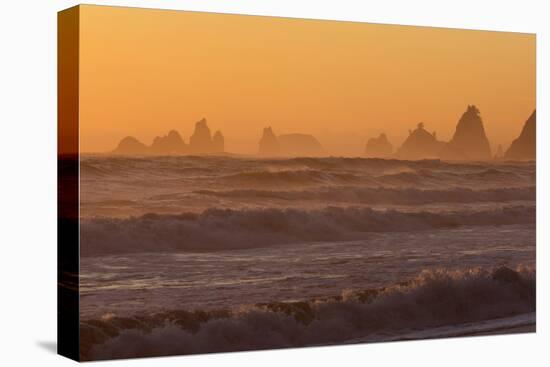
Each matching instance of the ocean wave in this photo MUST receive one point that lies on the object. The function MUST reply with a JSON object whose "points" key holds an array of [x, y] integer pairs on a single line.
{"points": [[429, 178], [433, 299], [290, 177], [146, 166], [379, 165], [372, 165], [223, 229], [398, 176], [381, 195], [113, 165]]}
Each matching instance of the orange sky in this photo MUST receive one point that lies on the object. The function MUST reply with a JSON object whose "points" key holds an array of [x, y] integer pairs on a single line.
{"points": [[144, 72]]}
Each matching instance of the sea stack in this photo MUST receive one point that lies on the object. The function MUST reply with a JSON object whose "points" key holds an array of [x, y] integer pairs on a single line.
{"points": [[469, 141], [218, 142], [168, 144], [130, 145], [525, 146], [289, 145], [201, 140], [269, 144], [379, 147], [420, 144]]}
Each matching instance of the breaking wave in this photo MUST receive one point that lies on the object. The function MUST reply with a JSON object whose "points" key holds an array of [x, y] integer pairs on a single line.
{"points": [[223, 229], [381, 195], [432, 299]]}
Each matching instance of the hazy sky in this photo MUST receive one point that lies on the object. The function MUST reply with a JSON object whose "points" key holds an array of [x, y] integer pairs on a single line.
{"points": [[144, 72]]}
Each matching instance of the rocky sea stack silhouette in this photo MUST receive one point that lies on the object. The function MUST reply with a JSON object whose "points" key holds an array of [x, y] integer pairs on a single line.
{"points": [[130, 145], [168, 144], [525, 146], [379, 147], [201, 142], [469, 141], [269, 144], [420, 144], [218, 142], [289, 145]]}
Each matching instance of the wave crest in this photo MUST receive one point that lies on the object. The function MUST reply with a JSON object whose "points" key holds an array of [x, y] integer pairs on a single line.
{"points": [[223, 229], [381, 195], [432, 299]]}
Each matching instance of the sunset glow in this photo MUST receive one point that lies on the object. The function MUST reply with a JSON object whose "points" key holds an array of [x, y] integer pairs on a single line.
{"points": [[144, 72]]}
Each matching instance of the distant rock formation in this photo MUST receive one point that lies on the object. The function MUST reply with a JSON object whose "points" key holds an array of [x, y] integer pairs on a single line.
{"points": [[378, 147], [168, 144], [269, 144], [130, 145], [292, 145], [525, 146], [420, 144], [218, 142], [201, 142], [469, 141]]}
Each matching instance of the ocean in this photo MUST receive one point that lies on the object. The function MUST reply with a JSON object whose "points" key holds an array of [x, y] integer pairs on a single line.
{"points": [[196, 254]]}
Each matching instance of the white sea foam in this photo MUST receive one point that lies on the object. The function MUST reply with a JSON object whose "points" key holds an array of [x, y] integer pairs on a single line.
{"points": [[430, 300]]}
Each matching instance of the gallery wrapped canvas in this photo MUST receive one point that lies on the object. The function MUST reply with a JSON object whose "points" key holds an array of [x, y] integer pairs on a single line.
{"points": [[231, 182]]}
